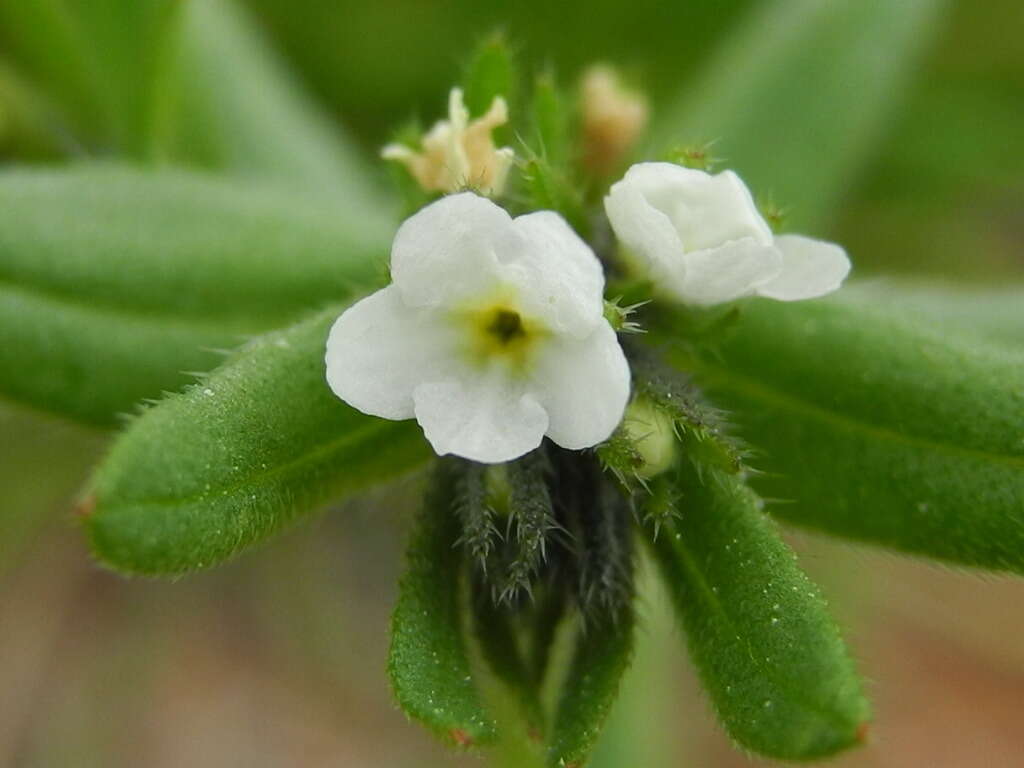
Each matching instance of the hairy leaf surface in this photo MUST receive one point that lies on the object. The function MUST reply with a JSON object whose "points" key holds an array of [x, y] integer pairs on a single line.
{"points": [[428, 661], [113, 281], [875, 426], [758, 629], [260, 441]]}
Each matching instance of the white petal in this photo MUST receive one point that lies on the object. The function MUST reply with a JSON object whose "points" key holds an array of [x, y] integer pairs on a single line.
{"points": [[380, 349], [810, 268], [706, 210], [444, 253], [558, 277], [485, 416], [642, 228], [583, 385], [729, 272]]}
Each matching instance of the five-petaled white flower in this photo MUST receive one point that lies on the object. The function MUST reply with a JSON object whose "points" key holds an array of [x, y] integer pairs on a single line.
{"points": [[491, 335], [457, 152], [704, 242]]}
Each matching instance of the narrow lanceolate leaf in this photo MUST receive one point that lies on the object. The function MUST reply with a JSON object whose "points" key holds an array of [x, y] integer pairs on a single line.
{"points": [[603, 653], [797, 97], [490, 73], [258, 442], [551, 119], [428, 663], [113, 282], [241, 110], [879, 428], [758, 629]]}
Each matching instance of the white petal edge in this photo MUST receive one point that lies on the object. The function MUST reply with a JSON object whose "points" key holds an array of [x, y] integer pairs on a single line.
{"points": [[643, 229], [480, 415], [583, 385], [558, 277], [445, 252], [705, 210], [810, 268], [379, 350], [729, 272]]}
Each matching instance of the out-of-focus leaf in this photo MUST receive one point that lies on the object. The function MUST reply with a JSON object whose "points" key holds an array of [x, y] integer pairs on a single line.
{"points": [[490, 73], [239, 109], [45, 41], [551, 121], [758, 629], [428, 662], [133, 44], [258, 442], [877, 427], [994, 312], [104, 61], [30, 127], [338, 45], [797, 96], [114, 282]]}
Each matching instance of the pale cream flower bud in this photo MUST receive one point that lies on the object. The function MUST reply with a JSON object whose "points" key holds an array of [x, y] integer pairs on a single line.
{"points": [[458, 153], [613, 119]]}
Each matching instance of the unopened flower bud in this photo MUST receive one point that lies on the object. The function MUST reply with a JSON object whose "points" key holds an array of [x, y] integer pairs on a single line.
{"points": [[653, 434], [458, 153], [613, 119]]}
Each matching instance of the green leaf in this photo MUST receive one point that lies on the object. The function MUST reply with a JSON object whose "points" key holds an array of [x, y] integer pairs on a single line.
{"points": [[497, 632], [490, 72], [428, 662], [45, 41], [113, 282], [798, 96], [758, 629], [30, 126], [133, 45], [262, 440], [603, 654], [104, 61], [551, 121], [995, 313], [877, 427], [240, 110]]}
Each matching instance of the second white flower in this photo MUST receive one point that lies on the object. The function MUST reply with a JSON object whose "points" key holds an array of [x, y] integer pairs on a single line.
{"points": [[702, 239]]}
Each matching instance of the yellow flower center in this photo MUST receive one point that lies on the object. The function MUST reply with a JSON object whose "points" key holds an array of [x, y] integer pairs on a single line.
{"points": [[499, 332]]}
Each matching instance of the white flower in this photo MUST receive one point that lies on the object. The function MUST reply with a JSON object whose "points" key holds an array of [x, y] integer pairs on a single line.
{"points": [[703, 240], [491, 335], [458, 153]]}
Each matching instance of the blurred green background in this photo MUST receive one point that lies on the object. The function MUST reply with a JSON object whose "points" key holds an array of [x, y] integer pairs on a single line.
{"points": [[278, 659]]}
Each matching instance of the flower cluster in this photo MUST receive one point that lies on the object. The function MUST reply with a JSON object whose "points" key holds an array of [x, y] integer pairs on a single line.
{"points": [[492, 334]]}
